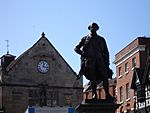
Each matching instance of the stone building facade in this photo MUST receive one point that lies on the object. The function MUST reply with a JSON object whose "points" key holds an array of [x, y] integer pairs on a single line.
{"points": [[38, 77], [131, 57]]}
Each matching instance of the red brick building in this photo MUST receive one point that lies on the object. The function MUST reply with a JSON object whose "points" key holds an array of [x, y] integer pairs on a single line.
{"points": [[133, 55], [87, 93]]}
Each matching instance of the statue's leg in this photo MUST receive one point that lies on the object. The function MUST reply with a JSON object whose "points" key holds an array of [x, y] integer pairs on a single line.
{"points": [[94, 88], [93, 79], [104, 74], [106, 88]]}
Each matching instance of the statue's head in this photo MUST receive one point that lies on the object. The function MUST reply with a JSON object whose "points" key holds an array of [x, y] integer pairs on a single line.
{"points": [[93, 27]]}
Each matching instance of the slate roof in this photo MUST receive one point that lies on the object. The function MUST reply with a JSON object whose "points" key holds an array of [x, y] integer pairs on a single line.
{"points": [[137, 75]]}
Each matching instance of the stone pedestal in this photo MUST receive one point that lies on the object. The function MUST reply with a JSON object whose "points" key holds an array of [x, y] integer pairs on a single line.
{"points": [[97, 106]]}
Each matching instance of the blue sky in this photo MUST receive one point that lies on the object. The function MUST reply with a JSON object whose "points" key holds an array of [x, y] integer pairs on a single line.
{"points": [[65, 22]]}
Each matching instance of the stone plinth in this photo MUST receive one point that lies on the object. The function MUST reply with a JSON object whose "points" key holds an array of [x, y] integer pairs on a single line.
{"points": [[97, 106]]}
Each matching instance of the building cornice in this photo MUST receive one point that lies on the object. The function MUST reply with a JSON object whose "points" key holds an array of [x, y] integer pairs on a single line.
{"points": [[129, 54]]}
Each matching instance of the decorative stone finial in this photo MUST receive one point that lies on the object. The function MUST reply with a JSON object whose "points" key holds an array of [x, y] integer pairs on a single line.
{"points": [[43, 34]]}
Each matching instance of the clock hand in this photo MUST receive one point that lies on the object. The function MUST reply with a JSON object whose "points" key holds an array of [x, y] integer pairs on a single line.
{"points": [[43, 65]]}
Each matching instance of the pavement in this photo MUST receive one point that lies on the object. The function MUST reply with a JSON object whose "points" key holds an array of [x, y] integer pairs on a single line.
{"points": [[49, 109]]}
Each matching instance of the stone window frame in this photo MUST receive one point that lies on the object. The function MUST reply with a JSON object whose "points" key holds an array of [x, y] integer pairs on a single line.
{"points": [[126, 68], [127, 91], [120, 71], [121, 94], [133, 62]]}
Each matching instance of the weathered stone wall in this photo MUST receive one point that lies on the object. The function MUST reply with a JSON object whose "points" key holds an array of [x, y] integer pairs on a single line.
{"points": [[59, 82]]}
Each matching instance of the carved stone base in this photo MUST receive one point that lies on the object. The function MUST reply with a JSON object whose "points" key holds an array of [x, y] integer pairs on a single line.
{"points": [[97, 106]]}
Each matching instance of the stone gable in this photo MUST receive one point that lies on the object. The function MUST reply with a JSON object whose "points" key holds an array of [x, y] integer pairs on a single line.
{"points": [[40, 76]]}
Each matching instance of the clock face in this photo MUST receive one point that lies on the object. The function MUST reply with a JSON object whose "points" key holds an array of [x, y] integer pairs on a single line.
{"points": [[43, 66]]}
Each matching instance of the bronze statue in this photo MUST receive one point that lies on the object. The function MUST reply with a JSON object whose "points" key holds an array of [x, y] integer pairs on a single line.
{"points": [[94, 60]]}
